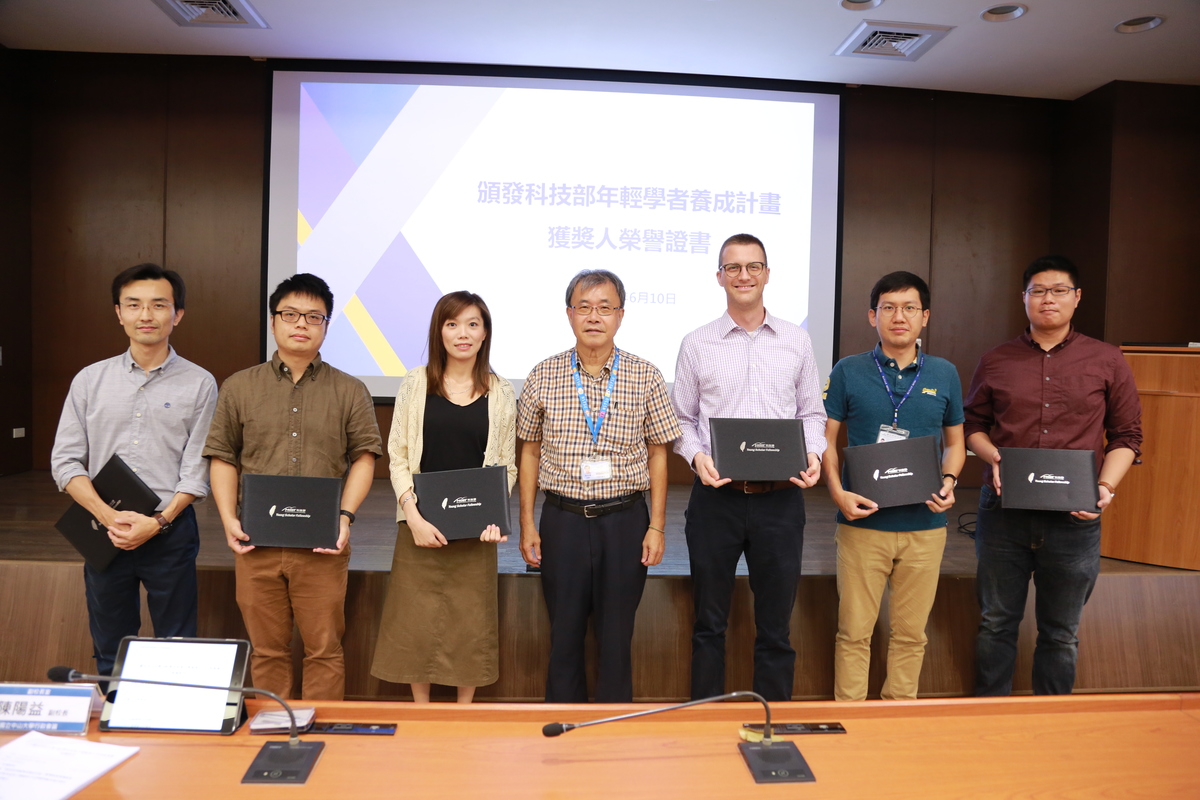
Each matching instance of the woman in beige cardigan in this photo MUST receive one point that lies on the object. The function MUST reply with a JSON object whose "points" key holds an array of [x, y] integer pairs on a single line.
{"points": [[439, 619]]}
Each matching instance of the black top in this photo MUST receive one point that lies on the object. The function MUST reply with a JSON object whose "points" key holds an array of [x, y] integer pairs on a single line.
{"points": [[455, 437]]}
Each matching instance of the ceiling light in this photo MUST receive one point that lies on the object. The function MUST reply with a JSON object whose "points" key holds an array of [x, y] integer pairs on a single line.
{"points": [[1139, 24], [860, 5], [1004, 13]]}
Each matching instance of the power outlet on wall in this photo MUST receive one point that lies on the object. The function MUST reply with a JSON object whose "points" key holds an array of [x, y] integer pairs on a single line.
{"points": [[18, 433]]}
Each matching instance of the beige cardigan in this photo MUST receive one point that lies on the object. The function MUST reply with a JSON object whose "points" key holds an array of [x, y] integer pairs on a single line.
{"points": [[408, 420]]}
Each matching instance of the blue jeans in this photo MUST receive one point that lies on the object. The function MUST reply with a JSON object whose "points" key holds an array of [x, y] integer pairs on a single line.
{"points": [[1062, 553], [166, 564], [769, 528]]}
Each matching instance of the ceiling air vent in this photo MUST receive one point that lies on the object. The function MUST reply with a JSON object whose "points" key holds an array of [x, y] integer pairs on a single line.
{"points": [[212, 13], [898, 41]]}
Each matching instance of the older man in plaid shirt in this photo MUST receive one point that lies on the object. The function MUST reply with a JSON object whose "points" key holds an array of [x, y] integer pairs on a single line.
{"points": [[595, 422], [746, 364]]}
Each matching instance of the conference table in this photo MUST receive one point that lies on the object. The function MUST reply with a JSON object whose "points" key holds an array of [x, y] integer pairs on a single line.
{"points": [[1082, 746]]}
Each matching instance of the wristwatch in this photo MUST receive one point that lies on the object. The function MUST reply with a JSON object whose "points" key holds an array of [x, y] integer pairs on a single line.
{"points": [[163, 525], [951, 477], [348, 515]]}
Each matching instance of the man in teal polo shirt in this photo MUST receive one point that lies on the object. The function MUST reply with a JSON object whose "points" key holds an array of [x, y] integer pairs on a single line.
{"points": [[894, 391]]}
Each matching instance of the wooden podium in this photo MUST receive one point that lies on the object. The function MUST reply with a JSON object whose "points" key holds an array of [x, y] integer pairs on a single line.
{"points": [[1155, 519]]}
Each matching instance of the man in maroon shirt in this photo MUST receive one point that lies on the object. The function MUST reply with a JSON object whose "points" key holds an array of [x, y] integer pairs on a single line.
{"points": [[1055, 388]]}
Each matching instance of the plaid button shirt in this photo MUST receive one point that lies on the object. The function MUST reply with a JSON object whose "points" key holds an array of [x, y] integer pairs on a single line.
{"points": [[639, 413]]}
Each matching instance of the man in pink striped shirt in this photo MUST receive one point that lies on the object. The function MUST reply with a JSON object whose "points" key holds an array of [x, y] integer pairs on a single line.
{"points": [[746, 364]]}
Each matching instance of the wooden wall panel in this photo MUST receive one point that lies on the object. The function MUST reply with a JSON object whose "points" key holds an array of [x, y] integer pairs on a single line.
{"points": [[1082, 185], [16, 357], [98, 163], [887, 194], [991, 217], [1139, 632], [216, 127], [1154, 270]]}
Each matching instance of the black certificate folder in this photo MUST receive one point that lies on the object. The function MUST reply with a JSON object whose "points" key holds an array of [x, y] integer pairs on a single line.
{"points": [[897, 473], [1048, 480], [757, 449], [120, 487], [291, 511], [462, 502]]}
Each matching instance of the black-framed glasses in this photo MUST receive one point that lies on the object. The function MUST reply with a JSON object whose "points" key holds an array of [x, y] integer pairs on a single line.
{"points": [[890, 310], [312, 317], [604, 311], [1055, 291], [752, 269]]}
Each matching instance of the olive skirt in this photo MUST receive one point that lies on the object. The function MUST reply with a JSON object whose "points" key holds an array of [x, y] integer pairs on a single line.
{"points": [[439, 620]]}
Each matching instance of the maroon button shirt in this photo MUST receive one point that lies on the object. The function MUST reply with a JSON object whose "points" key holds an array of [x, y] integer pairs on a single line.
{"points": [[1071, 397]]}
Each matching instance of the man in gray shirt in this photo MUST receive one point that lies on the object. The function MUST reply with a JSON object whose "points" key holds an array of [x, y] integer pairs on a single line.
{"points": [[152, 408]]}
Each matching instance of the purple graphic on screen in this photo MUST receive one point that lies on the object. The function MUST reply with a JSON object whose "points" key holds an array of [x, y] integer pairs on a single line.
{"points": [[325, 166], [345, 350], [399, 279], [359, 113]]}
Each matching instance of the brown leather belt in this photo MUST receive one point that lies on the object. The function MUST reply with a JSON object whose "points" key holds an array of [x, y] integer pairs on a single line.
{"points": [[592, 509], [758, 487]]}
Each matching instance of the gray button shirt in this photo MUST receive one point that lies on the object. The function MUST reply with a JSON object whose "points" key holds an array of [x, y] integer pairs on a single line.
{"points": [[157, 423]]}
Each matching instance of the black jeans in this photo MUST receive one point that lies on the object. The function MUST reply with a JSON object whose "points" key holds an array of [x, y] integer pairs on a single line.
{"points": [[592, 567], [1062, 553], [769, 528], [166, 564]]}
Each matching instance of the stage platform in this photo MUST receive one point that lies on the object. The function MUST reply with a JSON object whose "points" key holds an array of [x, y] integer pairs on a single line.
{"points": [[1140, 631]]}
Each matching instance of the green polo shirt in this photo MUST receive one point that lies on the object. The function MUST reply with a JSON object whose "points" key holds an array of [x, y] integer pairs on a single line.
{"points": [[856, 397]]}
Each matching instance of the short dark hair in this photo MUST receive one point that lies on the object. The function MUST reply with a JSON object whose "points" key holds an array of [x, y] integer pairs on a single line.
{"points": [[302, 283], [898, 281], [151, 272], [1050, 264], [740, 238], [588, 278]]}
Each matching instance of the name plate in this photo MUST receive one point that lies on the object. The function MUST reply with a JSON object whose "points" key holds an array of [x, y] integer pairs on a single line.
{"points": [[46, 708]]}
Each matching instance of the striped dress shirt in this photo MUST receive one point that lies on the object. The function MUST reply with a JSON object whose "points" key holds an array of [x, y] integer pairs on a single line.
{"points": [[725, 371], [156, 423]]}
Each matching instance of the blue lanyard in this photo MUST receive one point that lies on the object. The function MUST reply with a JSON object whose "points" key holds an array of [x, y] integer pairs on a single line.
{"points": [[888, 387], [594, 425]]}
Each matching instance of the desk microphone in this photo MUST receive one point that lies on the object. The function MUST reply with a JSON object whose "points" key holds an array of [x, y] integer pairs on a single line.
{"points": [[558, 728], [769, 761], [299, 757]]}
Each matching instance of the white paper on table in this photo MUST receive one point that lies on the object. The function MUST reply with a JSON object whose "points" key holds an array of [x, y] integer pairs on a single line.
{"points": [[41, 767]]}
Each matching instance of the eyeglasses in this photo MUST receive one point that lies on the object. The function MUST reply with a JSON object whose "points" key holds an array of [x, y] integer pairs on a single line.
{"points": [[890, 311], [312, 318], [1057, 291], [752, 269], [604, 311], [137, 308]]}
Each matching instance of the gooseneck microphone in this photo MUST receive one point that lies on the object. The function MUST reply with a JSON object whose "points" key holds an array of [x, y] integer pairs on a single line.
{"points": [[769, 761], [558, 728], [68, 675]]}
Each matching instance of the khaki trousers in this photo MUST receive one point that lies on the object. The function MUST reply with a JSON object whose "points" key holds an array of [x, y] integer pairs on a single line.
{"points": [[281, 586], [867, 561]]}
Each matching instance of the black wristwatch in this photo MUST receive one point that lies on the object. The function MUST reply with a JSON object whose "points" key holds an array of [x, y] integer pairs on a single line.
{"points": [[163, 525], [348, 515], [951, 477]]}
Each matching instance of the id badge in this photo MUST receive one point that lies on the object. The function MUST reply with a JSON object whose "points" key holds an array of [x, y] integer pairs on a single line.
{"points": [[889, 434], [595, 469]]}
